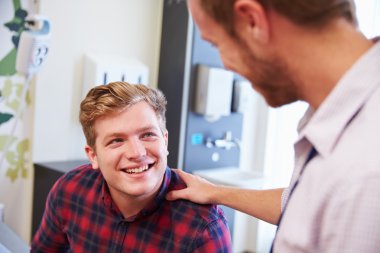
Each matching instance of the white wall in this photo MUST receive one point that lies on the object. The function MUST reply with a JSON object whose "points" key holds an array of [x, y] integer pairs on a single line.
{"points": [[129, 28], [368, 13]]}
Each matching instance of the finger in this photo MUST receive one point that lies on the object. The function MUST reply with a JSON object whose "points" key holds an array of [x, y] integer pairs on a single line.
{"points": [[176, 194]]}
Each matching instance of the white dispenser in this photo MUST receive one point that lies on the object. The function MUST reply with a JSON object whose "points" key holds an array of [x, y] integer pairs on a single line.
{"points": [[103, 68], [213, 92], [242, 91], [33, 46]]}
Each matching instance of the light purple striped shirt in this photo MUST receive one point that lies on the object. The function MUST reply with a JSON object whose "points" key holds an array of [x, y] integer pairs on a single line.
{"points": [[336, 205]]}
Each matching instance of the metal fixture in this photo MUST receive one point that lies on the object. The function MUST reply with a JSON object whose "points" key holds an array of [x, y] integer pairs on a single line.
{"points": [[227, 142]]}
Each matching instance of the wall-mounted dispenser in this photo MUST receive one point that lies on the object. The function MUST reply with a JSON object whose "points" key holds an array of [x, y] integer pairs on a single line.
{"points": [[242, 89], [103, 68], [33, 46], [213, 92]]}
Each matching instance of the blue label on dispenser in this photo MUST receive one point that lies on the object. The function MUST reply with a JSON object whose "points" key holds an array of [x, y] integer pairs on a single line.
{"points": [[197, 139]]}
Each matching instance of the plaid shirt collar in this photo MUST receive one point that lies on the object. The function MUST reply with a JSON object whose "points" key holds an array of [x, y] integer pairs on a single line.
{"points": [[148, 210]]}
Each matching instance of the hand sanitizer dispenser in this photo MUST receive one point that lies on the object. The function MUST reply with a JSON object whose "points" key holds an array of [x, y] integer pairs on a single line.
{"points": [[213, 92]]}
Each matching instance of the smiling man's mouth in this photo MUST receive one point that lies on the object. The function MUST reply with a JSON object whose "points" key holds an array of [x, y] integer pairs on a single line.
{"points": [[138, 169]]}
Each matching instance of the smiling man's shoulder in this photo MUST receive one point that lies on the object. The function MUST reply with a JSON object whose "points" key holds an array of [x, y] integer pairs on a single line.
{"points": [[207, 212]]}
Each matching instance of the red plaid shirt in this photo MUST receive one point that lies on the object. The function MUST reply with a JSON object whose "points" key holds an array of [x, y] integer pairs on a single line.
{"points": [[80, 216]]}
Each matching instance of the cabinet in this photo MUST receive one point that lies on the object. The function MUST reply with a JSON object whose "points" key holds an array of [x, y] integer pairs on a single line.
{"points": [[45, 175]]}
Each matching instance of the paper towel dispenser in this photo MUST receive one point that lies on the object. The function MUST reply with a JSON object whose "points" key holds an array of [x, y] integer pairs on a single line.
{"points": [[214, 88], [105, 68]]}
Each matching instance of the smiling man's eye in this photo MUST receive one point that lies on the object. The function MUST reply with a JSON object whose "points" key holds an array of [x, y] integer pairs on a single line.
{"points": [[116, 140], [148, 134]]}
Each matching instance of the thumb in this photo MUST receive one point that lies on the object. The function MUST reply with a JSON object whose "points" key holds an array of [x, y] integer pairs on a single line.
{"points": [[179, 194], [184, 175]]}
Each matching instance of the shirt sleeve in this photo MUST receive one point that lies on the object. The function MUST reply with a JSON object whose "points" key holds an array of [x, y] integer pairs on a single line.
{"points": [[214, 238], [354, 218], [50, 236]]}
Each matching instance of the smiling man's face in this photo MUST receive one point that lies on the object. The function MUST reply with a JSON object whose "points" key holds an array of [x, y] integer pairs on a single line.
{"points": [[131, 151]]}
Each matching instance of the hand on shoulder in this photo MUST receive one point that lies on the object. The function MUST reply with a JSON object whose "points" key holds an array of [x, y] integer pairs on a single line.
{"points": [[198, 189]]}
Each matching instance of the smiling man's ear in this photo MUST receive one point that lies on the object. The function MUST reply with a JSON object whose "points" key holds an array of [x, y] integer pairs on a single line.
{"points": [[166, 137], [91, 154], [252, 19]]}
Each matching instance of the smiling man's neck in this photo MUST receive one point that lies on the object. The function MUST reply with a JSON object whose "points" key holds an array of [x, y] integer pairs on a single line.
{"points": [[129, 205]]}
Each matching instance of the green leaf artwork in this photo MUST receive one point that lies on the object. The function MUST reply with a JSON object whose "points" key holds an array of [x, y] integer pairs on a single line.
{"points": [[14, 149], [4, 117], [12, 95], [8, 64], [18, 161], [16, 26], [6, 140]]}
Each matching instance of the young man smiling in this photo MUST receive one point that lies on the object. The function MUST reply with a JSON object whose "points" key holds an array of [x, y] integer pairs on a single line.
{"points": [[117, 204]]}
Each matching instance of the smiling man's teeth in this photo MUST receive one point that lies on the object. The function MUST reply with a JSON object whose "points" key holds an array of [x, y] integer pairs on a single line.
{"points": [[137, 170]]}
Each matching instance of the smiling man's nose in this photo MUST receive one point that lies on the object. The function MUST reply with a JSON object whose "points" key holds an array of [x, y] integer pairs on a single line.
{"points": [[135, 149]]}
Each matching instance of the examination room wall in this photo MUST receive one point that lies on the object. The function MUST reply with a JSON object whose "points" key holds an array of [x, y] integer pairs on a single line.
{"points": [[132, 28], [126, 28]]}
